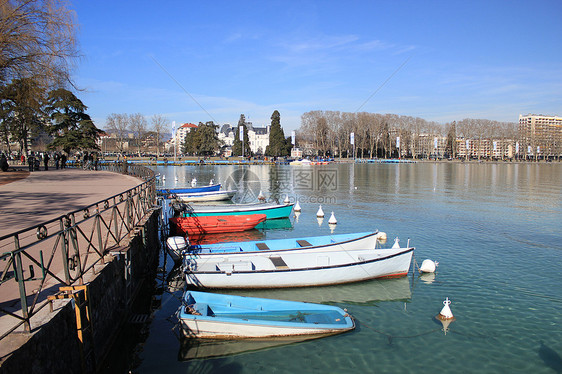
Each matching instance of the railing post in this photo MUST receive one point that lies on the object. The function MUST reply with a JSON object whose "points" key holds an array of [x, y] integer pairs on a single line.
{"points": [[21, 284]]}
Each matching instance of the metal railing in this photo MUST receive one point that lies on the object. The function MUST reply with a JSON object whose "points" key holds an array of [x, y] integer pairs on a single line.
{"points": [[37, 260]]}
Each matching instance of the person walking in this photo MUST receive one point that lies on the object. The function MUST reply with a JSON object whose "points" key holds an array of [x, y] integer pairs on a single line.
{"points": [[57, 160], [46, 159], [63, 161], [31, 161]]}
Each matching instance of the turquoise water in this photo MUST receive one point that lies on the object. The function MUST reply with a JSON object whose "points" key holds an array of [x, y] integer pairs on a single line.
{"points": [[494, 228]]}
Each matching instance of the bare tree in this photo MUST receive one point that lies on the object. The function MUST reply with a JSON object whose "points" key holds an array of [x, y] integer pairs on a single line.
{"points": [[117, 125], [159, 123], [138, 126], [37, 39]]}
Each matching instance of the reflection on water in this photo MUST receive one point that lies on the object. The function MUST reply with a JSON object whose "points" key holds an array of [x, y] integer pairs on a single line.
{"points": [[495, 230]]}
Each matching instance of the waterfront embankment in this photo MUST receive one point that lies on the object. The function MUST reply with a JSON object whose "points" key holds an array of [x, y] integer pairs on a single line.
{"points": [[103, 273]]}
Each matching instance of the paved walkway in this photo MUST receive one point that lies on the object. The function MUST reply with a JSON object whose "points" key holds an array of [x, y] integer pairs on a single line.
{"points": [[27, 199]]}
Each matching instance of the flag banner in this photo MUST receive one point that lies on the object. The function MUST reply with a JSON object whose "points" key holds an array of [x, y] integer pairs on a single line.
{"points": [[352, 138], [397, 142], [241, 137], [293, 137]]}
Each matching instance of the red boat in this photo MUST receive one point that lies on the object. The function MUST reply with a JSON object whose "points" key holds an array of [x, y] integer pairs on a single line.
{"points": [[214, 224]]}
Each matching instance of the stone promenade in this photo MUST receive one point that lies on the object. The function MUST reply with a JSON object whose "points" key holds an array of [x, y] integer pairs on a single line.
{"points": [[31, 198], [28, 199]]}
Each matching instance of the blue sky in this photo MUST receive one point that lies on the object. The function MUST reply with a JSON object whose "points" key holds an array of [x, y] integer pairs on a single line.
{"points": [[199, 61]]}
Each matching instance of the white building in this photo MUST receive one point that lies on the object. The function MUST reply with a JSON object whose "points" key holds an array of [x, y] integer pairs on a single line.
{"points": [[258, 137], [179, 138]]}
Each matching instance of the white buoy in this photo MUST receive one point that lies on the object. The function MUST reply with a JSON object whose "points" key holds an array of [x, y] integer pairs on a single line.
{"points": [[194, 182], [396, 243], [320, 213], [446, 313], [211, 182], [176, 178], [297, 207], [320, 220], [428, 266], [286, 201], [332, 220], [332, 227], [163, 177], [381, 237], [261, 196]]}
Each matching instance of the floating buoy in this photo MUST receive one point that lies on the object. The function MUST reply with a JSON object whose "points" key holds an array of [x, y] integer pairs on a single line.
{"points": [[396, 243], [163, 177], [381, 237], [286, 201], [261, 196], [211, 182], [320, 220], [297, 207], [176, 178], [445, 313], [332, 220], [194, 182], [332, 227], [320, 213], [428, 266]]}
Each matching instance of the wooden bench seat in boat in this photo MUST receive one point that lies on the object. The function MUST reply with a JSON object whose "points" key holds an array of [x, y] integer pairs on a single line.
{"points": [[304, 243]]}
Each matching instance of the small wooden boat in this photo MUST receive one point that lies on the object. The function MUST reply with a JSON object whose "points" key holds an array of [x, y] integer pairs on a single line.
{"points": [[218, 316], [271, 210], [300, 262], [205, 196], [214, 224], [170, 191]]}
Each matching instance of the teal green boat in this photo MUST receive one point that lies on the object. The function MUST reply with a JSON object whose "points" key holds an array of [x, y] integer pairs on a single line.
{"points": [[271, 210]]}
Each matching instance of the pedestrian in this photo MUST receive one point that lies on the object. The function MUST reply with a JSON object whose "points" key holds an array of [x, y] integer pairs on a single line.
{"points": [[95, 157], [4, 163], [57, 160], [46, 160], [22, 158], [63, 161], [31, 161]]}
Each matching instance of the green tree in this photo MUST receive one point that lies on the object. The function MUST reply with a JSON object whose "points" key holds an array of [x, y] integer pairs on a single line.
{"points": [[451, 147], [277, 142], [237, 145], [71, 126], [21, 111], [203, 141]]}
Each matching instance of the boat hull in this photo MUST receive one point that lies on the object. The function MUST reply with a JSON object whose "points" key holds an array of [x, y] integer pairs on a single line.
{"points": [[215, 224], [311, 261], [205, 196], [168, 191], [300, 270], [205, 315]]}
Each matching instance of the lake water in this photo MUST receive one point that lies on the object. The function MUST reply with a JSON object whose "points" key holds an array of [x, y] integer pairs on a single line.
{"points": [[495, 230]]}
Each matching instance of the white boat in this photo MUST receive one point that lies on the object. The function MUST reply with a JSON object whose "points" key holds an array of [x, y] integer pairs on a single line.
{"points": [[205, 196], [219, 316], [311, 261]]}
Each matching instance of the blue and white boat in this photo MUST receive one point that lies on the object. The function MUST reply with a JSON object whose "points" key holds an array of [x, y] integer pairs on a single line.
{"points": [[219, 316], [170, 191], [205, 196], [297, 262]]}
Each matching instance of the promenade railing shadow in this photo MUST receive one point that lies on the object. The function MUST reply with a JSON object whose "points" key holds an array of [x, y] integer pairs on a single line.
{"points": [[64, 251]]}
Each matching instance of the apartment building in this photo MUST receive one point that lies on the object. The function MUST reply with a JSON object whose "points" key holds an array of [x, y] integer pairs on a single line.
{"points": [[539, 135]]}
